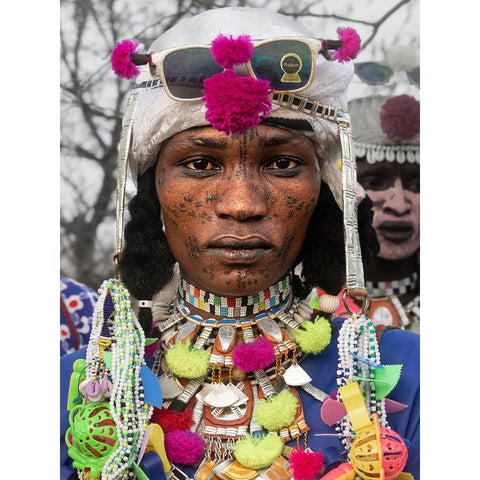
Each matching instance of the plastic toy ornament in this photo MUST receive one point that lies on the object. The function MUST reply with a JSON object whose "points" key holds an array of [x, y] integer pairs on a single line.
{"points": [[91, 437], [377, 452]]}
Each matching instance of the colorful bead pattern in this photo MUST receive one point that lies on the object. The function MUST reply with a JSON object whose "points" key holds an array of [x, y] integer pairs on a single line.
{"points": [[235, 306]]}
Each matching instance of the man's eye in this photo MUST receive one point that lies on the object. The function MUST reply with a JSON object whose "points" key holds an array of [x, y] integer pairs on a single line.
{"points": [[282, 164], [412, 185], [373, 183], [200, 164]]}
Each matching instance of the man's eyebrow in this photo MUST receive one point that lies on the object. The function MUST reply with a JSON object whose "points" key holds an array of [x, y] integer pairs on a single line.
{"points": [[206, 142], [279, 139]]}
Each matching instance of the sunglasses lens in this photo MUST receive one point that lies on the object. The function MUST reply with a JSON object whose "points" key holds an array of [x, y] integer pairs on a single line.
{"points": [[287, 64], [373, 73], [414, 76], [185, 71]]}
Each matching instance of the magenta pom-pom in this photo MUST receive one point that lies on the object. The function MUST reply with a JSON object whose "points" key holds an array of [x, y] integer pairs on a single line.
{"points": [[184, 446], [400, 118], [351, 45], [254, 356], [306, 465], [229, 51], [122, 64]]}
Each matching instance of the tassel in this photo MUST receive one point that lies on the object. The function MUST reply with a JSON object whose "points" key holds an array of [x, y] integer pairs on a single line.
{"points": [[184, 446], [171, 420], [229, 51], [313, 337], [276, 411], [254, 356], [122, 64], [187, 362], [350, 45], [306, 464], [258, 451], [234, 102]]}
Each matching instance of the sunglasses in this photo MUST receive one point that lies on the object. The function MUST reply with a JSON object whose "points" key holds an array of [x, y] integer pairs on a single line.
{"points": [[375, 73], [288, 63]]}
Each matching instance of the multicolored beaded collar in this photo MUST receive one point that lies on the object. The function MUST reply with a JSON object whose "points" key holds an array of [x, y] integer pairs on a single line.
{"points": [[235, 306], [392, 287]]}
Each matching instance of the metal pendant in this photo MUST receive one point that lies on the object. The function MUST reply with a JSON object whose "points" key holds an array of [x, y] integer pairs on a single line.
{"points": [[270, 327], [171, 387], [185, 330], [226, 336], [296, 376], [242, 398], [220, 396]]}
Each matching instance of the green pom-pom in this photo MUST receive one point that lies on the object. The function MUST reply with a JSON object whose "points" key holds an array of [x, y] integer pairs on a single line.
{"points": [[313, 337], [276, 411], [187, 362], [258, 452]]}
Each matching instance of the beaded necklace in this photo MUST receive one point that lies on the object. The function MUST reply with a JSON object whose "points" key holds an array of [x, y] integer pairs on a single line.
{"points": [[235, 306]]}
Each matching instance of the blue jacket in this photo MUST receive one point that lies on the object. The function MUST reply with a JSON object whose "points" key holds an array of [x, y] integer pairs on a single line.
{"points": [[396, 346]]}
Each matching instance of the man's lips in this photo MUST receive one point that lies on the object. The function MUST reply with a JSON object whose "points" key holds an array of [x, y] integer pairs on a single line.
{"points": [[396, 232], [239, 250]]}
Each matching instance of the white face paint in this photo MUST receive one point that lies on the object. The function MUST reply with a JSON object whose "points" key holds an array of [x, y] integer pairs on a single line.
{"points": [[395, 192]]}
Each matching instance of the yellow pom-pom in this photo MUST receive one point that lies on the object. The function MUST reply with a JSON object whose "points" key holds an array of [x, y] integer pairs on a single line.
{"points": [[276, 411], [258, 452], [187, 362], [313, 337]]}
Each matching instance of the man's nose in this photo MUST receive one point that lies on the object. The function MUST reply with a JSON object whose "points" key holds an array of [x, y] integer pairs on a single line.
{"points": [[242, 200], [397, 201]]}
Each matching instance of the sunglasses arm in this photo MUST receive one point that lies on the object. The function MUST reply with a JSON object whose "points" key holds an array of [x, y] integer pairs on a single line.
{"points": [[140, 58]]}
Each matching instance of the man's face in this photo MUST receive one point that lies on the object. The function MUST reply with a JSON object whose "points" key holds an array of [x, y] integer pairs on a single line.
{"points": [[395, 192], [236, 208]]}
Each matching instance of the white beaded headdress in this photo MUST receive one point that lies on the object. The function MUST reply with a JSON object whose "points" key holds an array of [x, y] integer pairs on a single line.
{"points": [[386, 128]]}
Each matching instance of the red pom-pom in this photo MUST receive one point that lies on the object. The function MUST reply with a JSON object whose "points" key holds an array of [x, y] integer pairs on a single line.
{"points": [[184, 446], [306, 465], [351, 45], [229, 51], [254, 356], [235, 103], [171, 420], [122, 65], [400, 118]]}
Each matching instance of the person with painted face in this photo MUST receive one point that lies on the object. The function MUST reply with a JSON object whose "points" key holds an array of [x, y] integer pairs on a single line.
{"points": [[205, 359], [386, 136]]}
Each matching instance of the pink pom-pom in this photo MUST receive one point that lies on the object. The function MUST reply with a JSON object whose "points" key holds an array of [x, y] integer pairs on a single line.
{"points": [[229, 51], [400, 118], [351, 45], [306, 465], [235, 103], [184, 446], [254, 356], [122, 65]]}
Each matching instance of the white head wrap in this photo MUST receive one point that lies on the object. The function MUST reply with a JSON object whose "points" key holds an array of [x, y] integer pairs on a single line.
{"points": [[371, 142], [158, 117]]}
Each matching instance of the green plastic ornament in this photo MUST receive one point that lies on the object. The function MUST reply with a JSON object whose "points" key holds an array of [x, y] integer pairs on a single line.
{"points": [[91, 437]]}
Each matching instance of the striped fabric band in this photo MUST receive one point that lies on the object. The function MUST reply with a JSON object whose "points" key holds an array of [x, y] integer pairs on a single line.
{"points": [[235, 306], [393, 287]]}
